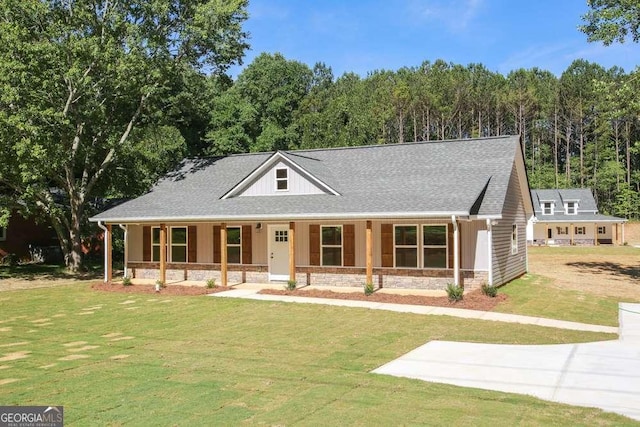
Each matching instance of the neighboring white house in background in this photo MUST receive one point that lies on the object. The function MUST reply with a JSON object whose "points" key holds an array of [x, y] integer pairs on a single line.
{"points": [[570, 217]]}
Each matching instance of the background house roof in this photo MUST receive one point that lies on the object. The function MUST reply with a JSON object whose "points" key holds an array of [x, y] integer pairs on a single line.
{"points": [[464, 177], [587, 208]]}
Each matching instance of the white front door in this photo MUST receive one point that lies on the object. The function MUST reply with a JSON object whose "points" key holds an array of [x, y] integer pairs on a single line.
{"points": [[278, 252]]}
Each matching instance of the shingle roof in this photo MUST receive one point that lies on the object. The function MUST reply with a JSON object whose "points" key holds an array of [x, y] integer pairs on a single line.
{"points": [[464, 177], [587, 208]]}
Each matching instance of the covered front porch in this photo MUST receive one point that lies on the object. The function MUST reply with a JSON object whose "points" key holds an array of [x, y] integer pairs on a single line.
{"points": [[327, 253]]}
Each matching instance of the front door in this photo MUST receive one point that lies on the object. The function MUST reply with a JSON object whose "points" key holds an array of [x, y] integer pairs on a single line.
{"points": [[278, 252]]}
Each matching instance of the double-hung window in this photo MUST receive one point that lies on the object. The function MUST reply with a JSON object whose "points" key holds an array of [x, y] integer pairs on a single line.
{"points": [[234, 245], [155, 244], [580, 230], [547, 208], [282, 179], [571, 208], [331, 246], [602, 230], [178, 242], [434, 239], [406, 245]]}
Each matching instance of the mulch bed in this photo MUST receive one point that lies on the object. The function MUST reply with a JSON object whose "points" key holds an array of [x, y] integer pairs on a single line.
{"points": [[474, 300], [151, 289]]}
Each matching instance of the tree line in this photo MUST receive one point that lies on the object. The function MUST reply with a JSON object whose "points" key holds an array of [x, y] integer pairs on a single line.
{"points": [[580, 129]]}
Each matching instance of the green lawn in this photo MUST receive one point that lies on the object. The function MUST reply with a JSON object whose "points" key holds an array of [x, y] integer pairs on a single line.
{"points": [[116, 359], [533, 295]]}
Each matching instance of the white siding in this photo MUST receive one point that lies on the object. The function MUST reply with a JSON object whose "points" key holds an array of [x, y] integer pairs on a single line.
{"points": [[265, 185], [473, 246], [506, 266]]}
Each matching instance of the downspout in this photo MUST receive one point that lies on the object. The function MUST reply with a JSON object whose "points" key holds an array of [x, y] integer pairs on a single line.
{"points": [[456, 252], [126, 246], [489, 253], [106, 239]]}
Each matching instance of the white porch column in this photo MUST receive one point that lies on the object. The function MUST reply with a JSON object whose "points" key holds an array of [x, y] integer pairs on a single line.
{"points": [[489, 252], [125, 228], [456, 252]]}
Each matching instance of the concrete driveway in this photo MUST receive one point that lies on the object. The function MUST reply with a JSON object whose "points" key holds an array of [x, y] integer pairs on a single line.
{"points": [[603, 375]]}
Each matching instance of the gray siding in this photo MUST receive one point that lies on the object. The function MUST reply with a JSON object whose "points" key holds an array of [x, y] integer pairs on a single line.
{"points": [[506, 266]]}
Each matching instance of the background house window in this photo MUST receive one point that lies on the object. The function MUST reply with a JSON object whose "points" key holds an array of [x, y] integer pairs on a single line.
{"points": [[3, 234], [580, 230], [514, 239], [406, 245], [547, 208], [571, 208], [331, 245], [602, 230], [562, 230], [282, 179], [234, 245], [434, 239], [178, 242]]}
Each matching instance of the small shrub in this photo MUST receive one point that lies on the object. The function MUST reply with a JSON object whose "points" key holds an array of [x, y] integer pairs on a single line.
{"points": [[368, 288], [10, 260], [291, 285], [126, 281], [454, 292], [161, 284], [489, 290], [211, 283]]}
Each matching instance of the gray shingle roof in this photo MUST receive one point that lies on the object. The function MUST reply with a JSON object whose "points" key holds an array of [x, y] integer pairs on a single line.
{"points": [[412, 180], [587, 208]]}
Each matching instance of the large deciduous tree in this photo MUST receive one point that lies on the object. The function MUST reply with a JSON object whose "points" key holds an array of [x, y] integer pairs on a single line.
{"points": [[612, 21], [78, 77]]}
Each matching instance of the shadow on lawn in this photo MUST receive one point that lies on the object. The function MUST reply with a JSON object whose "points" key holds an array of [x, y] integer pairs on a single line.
{"points": [[35, 272], [608, 267]]}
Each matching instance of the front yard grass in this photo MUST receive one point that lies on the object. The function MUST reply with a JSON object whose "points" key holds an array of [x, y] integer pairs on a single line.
{"points": [[534, 295], [120, 359]]}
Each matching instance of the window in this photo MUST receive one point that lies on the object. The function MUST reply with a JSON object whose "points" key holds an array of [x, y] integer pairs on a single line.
{"points": [[234, 245], [602, 230], [406, 245], [282, 236], [580, 230], [178, 242], [562, 230], [3, 234], [331, 245], [547, 208], [155, 244], [434, 246], [282, 179], [514, 239], [571, 208]]}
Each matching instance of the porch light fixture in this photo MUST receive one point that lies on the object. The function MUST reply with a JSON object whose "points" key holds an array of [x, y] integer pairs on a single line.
{"points": [[259, 226]]}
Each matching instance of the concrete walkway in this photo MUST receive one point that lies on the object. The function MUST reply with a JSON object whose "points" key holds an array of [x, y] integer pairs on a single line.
{"points": [[252, 293], [602, 375]]}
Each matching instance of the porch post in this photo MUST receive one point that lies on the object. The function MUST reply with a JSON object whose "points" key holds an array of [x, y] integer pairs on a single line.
{"points": [[456, 250], [109, 254], [489, 251], [571, 233], [369, 252], [223, 254], [163, 253], [125, 228], [292, 251]]}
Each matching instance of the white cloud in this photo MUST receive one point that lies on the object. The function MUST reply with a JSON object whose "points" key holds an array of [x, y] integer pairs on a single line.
{"points": [[456, 15]]}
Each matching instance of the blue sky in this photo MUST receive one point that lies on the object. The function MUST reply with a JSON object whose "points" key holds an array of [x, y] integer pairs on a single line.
{"points": [[365, 35]]}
